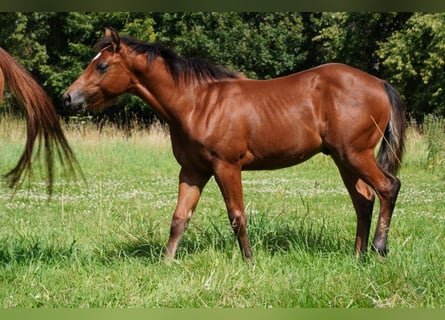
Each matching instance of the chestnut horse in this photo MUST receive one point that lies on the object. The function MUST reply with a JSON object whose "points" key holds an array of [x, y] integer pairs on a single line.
{"points": [[42, 122], [222, 123]]}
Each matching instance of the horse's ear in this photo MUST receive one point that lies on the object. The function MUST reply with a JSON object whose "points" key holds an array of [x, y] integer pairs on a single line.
{"points": [[112, 33]]}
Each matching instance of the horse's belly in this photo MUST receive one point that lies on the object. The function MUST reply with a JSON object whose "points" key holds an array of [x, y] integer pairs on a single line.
{"points": [[279, 160]]}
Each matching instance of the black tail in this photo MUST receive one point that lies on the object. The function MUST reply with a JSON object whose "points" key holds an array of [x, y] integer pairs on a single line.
{"points": [[391, 150]]}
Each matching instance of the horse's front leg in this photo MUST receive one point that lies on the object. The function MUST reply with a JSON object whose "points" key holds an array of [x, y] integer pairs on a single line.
{"points": [[190, 188], [228, 177]]}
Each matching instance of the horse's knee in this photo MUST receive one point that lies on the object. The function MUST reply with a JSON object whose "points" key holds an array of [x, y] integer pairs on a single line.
{"points": [[178, 225], [238, 222]]}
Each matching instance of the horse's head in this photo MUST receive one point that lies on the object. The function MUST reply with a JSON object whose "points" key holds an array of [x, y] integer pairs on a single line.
{"points": [[106, 77]]}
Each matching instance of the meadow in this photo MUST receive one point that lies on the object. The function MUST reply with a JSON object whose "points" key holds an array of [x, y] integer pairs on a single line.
{"points": [[99, 242]]}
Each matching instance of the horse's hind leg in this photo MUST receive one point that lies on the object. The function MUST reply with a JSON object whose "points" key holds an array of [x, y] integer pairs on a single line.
{"points": [[388, 196], [362, 197], [386, 186]]}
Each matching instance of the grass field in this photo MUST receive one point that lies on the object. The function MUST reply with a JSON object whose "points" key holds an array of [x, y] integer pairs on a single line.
{"points": [[100, 244]]}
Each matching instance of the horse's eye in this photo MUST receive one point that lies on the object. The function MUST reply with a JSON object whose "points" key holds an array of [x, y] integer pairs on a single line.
{"points": [[102, 67]]}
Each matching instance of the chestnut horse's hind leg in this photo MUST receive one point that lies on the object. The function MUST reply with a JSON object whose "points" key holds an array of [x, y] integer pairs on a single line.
{"points": [[388, 197], [228, 177], [363, 198], [386, 185], [190, 188]]}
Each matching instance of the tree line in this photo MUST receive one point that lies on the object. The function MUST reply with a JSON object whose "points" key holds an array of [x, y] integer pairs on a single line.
{"points": [[405, 48]]}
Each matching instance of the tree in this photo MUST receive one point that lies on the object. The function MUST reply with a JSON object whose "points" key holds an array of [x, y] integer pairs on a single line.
{"points": [[413, 59], [353, 37], [262, 45]]}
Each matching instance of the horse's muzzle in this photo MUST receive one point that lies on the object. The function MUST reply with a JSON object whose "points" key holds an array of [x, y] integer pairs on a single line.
{"points": [[71, 105]]}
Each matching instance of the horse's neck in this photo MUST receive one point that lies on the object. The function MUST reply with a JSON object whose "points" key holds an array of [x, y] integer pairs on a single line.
{"points": [[168, 99]]}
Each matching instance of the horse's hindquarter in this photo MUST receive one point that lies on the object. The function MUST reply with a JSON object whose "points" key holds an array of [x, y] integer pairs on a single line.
{"points": [[354, 104]]}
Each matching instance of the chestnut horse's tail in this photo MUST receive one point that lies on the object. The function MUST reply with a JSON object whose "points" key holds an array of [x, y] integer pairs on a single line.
{"points": [[42, 123], [393, 144]]}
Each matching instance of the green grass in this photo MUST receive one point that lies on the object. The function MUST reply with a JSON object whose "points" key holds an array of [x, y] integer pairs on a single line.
{"points": [[100, 244]]}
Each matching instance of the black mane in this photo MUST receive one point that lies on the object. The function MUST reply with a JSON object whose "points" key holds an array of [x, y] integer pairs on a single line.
{"points": [[179, 67]]}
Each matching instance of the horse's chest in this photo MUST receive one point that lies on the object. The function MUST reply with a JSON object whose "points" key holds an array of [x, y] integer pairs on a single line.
{"points": [[191, 154]]}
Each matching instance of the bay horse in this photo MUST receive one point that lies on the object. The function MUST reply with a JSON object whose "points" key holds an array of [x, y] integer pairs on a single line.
{"points": [[222, 123], [42, 123]]}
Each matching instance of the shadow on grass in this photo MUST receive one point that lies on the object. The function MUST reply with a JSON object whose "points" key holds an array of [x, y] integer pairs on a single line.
{"points": [[152, 251], [266, 234], [271, 238], [24, 251]]}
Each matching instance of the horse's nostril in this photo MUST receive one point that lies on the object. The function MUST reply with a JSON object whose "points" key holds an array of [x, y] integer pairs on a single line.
{"points": [[66, 100]]}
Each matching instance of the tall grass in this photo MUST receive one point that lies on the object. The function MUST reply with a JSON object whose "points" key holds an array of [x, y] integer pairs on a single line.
{"points": [[100, 243], [434, 131]]}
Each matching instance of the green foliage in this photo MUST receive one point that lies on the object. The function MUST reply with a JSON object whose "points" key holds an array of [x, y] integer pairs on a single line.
{"points": [[353, 37], [413, 59], [262, 45]]}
